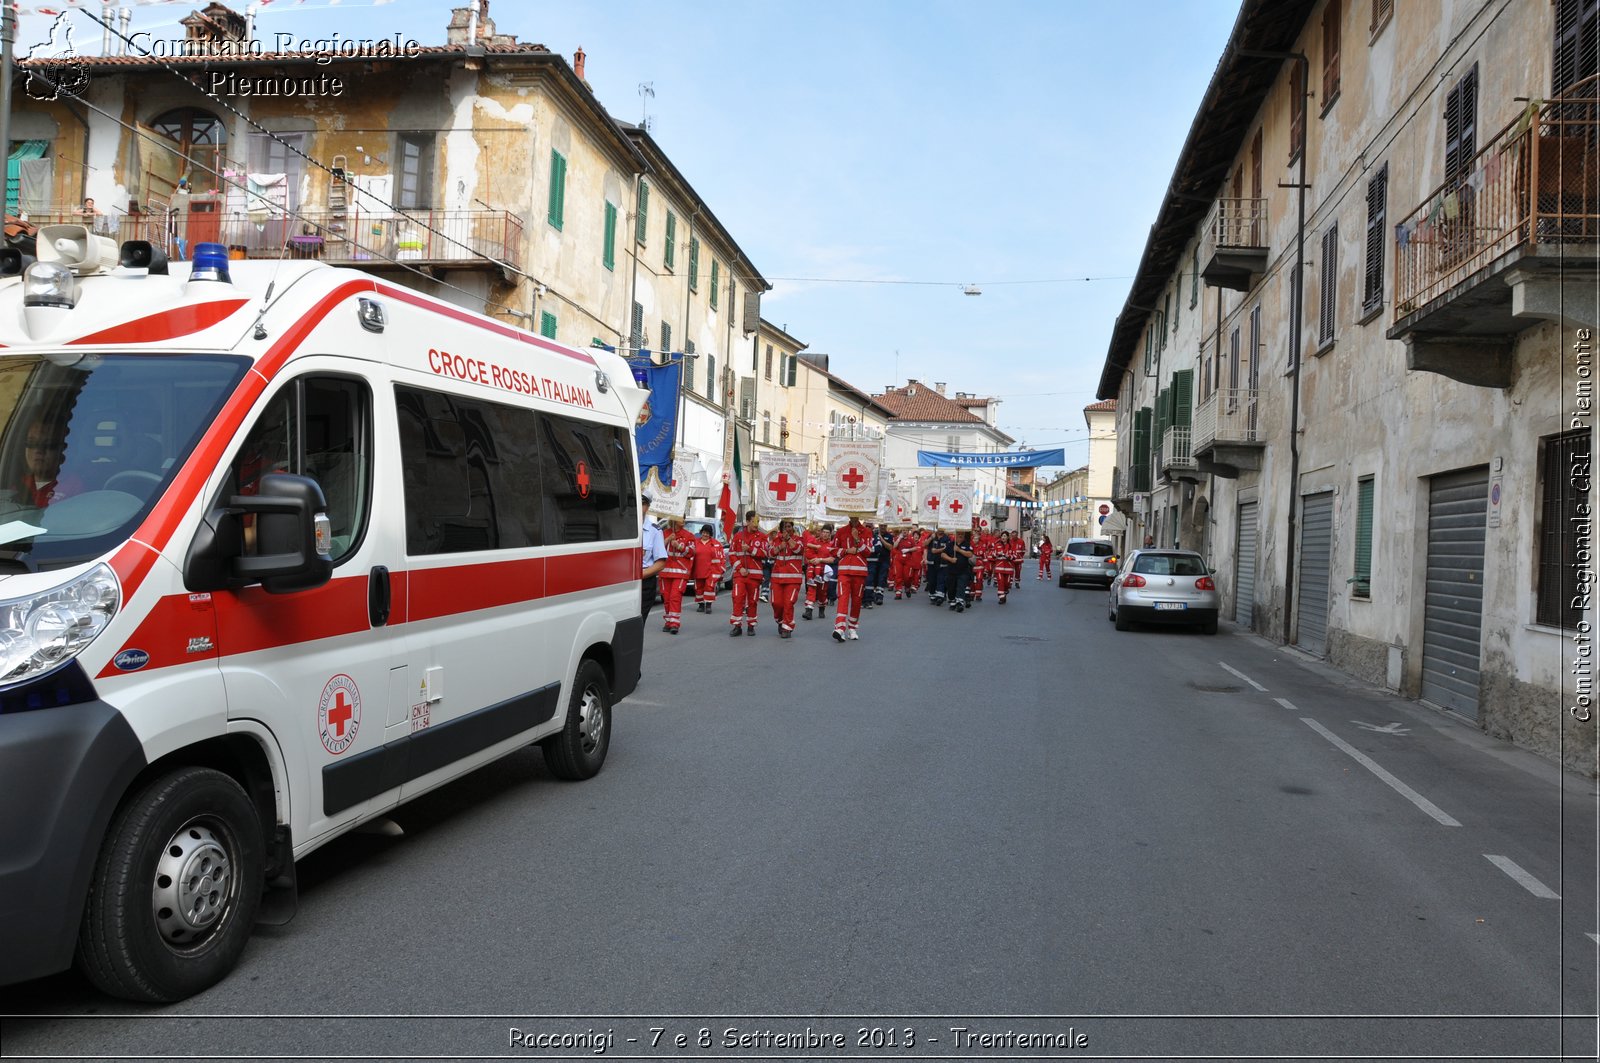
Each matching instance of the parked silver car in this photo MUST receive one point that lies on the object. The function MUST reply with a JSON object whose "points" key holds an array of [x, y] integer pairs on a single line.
{"points": [[1164, 587], [1088, 559]]}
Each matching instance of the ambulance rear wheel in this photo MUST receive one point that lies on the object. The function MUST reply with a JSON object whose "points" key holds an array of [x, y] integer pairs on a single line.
{"points": [[578, 750], [175, 889]]}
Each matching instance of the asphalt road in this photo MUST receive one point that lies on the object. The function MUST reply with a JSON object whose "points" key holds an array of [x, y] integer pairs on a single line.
{"points": [[1011, 822]]}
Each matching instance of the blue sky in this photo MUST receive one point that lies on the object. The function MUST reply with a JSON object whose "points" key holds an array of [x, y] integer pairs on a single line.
{"points": [[1004, 143]]}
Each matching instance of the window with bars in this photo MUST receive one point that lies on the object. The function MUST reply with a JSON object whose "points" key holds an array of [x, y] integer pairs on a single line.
{"points": [[558, 189], [644, 212], [669, 252], [694, 264], [1377, 224], [1564, 476], [547, 325], [1361, 578], [1328, 296], [1330, 53], [608, 256], [1297, 110]]}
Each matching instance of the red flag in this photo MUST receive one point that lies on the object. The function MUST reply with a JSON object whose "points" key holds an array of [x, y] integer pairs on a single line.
{"points": [[725, 504]]}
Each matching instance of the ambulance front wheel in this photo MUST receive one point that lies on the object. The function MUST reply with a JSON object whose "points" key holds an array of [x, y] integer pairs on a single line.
{"points": [[578, 750], [175, 890]]}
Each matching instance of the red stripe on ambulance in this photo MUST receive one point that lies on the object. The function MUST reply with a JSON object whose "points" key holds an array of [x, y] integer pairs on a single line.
{"points": [[169, 324]]}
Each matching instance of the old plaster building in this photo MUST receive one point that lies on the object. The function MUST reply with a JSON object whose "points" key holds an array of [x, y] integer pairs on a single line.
{"points": [[1384, 451], [483, 170], [925, 418]]}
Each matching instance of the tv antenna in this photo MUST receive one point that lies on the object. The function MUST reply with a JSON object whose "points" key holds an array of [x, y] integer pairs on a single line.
{"points": [[647, 92]]}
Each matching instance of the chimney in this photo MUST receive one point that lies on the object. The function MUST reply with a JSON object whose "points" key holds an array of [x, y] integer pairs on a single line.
{"points": [[577, 62], [938, 385]]}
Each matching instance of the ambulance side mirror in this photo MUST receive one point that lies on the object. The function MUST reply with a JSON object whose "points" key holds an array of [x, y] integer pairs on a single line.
{"points": [[291, 536]]}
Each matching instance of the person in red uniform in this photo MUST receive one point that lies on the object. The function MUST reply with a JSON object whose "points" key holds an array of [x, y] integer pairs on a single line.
{"points": [[709, 565], [819, 551], [1045, 550], [748, 549], [851, 547], [906, 546], [981, 565], [1005, 565], [788, 570], [675, 577]]}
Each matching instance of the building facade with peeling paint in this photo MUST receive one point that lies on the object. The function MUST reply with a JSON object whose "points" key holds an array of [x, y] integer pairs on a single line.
{"points": [[1385, 451]]}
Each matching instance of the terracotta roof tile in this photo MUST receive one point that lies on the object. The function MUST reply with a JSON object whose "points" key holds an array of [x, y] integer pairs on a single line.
{"points": [[920, 402], [1108, 404]]}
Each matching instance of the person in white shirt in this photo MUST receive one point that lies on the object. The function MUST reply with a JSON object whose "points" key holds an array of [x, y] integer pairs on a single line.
{"points": [[655, 556]]}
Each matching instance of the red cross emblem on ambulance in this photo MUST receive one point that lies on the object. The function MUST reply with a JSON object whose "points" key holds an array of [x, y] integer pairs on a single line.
{"points": [[583, 480], [339, 714]]}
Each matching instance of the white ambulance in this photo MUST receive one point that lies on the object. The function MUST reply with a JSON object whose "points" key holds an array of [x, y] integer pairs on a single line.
{"points": [[281, 547]]}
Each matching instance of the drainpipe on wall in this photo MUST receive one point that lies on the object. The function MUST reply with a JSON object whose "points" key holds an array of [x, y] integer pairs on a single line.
{"points": [[1296, 309]]}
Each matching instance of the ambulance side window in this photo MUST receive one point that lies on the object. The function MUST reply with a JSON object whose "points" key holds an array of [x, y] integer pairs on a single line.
{"points": [[471, 473], [318, 427], [588, 481]]}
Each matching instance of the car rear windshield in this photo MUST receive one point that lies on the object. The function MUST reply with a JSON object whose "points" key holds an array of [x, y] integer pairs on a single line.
{"points": [[1090, 549], [1169, 565]]}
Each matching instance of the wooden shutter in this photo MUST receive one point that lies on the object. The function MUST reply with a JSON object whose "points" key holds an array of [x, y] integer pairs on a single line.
{"points": [[1330, 280], [1233, 358], [547, 325], [1377, 214], [714, 283], [558, 188], [1182, 398], [666, 336], [644, 212], [794, 364], [1461, 126], [1330, 51], [1255, 173], [1577, 38], [1141, 450], [694, 264], [1297, 111], [636, 335], [1194, 278], [1362, 583], [1381, 10], [669, 254], [1163, 415], [609, 257]]}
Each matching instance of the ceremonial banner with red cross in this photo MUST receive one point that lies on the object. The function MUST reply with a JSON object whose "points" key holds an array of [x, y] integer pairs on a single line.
{"points": [[671, 499], [852, 483], [928, 498], [957, 503], [781, 485]]}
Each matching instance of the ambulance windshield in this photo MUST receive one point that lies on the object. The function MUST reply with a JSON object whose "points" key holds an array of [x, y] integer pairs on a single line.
{"points": [[89, 442]]}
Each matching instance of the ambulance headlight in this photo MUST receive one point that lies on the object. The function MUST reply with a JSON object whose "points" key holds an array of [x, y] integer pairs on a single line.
{"points": [[38, 633], [48, 284]]}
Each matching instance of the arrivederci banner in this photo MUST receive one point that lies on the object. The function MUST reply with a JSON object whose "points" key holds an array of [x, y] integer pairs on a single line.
{"points": [[852, 482], [1013, 459], [781, 488]]}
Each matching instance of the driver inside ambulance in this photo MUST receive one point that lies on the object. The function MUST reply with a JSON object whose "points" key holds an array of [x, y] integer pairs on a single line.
{"points": [[42, 483]]}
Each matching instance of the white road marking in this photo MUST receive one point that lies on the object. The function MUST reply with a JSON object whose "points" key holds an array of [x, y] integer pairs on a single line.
{"points": [[1522, 878], [1234, 671], [1286, 703], [1386, 729], [1371, 765], [1596, 938]]}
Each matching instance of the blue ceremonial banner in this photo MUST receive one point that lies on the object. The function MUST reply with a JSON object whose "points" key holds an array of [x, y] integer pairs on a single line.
{"points": [[1015, 459], [657, 426]]}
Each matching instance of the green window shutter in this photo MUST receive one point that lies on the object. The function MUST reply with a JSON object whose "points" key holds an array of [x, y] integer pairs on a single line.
{"points": [[694, 264], [558, 188], [669, 254], [1163, 415], [1362, 583], [644, 212], [609, 257], [713, 284], [547, 325], [1182, 398], [1141, 450]]}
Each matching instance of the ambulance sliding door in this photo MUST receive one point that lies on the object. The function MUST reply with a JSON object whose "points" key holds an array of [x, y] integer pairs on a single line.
{"points": [[324, 670]]}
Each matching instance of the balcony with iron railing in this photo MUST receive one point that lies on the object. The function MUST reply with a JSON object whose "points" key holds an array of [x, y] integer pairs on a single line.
{"points": [[1233, 244], [1502, 245], [1226, 436], [429, 240]]}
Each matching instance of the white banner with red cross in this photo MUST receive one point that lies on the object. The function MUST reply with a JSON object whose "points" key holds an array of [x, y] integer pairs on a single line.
{"points": [[669, 499], [928, 495], [852, 483], [781, 486], [957, 503], [816, 499]]}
